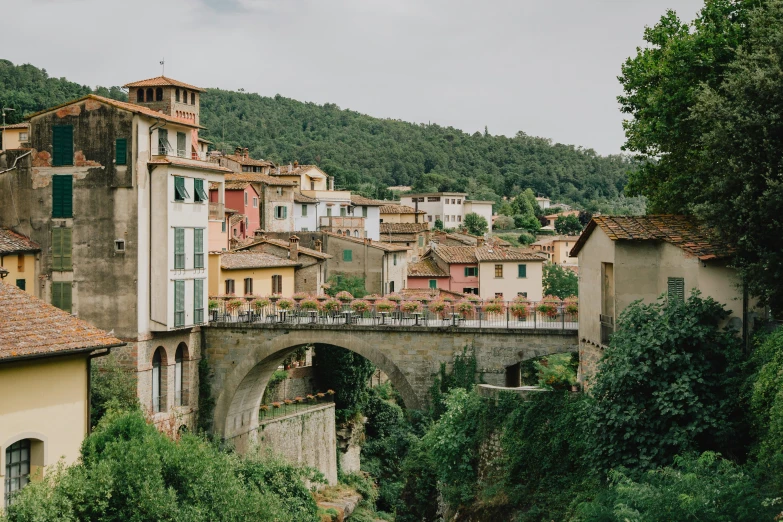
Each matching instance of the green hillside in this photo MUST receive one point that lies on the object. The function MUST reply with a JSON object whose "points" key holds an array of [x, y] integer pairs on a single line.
{"points": [[367, 154]]}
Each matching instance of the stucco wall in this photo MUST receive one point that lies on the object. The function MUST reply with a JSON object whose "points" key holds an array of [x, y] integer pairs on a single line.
{"points": [[510, 285], [424, 282], [45, 400], [306, 438], [262, 280], [459, 281]]}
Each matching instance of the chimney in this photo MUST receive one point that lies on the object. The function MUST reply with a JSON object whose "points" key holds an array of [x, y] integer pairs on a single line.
{"points": [[246, 153], [296, 163], [278, 169], [318, 245], [290, 167], [479, 241], [293, 243], [238, 151], [331, 182]]}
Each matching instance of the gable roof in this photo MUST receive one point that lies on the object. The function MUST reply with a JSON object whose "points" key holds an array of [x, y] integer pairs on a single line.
{"points": [[163, 81], [387, 247], [403, 228], [285, 244], [248, 160], [130, 107], [295, 170], [34, 328], [301, 198], [361, 201], [679, 231], [187, 163], [426, 268], [455, 254], [395, 208], [14, 243], [495, 253], [240, 259], [238, 185], [257, 177], [22, 125]]}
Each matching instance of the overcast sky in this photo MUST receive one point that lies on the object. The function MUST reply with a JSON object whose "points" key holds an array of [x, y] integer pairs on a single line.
{"points": [[545, 67]]}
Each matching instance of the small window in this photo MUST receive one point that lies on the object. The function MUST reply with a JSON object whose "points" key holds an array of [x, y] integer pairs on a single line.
{"points": [[394, 257], [179, 303], [62, 196], [245, 198], [199, 194], [255, 202], [521, 270], [421, 241], [159, 94], [429, 218], [184, 96], [281, 212], [498, 270], [22, 136], [181, 144], [304, 210], [119, 246], [348, 255], [180, 192], [328, 211], [61, 295], [121, 151], [355, 233], [364, 211], [471, 271], [20, 262], [179, 249], [676, 289], [21, 284], [198, 301], [342, 211], [277, 284], [17, 468], [140, 96], [279, 191], [305, 229], [229, 287], [459, 219], [149, 95], [193, 98], [521, 294], [433, 283], [223, 226], [498, 295], [176, 94], [248, 286], [62, 249]]}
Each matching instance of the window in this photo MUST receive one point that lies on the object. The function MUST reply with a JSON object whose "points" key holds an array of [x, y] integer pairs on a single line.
{"points": [[364, 211], [62, 145], [355, 233], [348, 255], [21, 284], [23, 136], [305, 229], [61, 295], [229, 287], [179, 303], [521, 270], [193, 98], [20, 262], [17, 468], [522, 294], [185, 96], [139, 95], [459, 202], [181, 144], [198, 248], [421, 241], [248, 286], [433, 283], [180, 393], [432, 200], [471, 271], [159, 94], [223, 226], [342, 211], [62, 249], [429, 218], [255, 202], [437, 217], [245, 198], [474, 291], [198, 301], [180, 192], [121, 151], [176, 95], [62, 196], [277, 284], [281, 212], [394, 257], [304, 210], [163, 142], [498, 295], [158, 376], [459, 219], [329, 211], [119, 246], [498, 271], [676, 289], [149, 94], [391, 286], [179, 249], [199, 194]]}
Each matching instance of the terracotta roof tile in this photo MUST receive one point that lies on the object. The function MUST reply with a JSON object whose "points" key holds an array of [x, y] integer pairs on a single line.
{"points": [[242, 259], [388, 247], [301, 198], [365, 202], [456, 254], [257, 177], [494, 253], [403, 228], [23, 125], [285, 244], [249, 161], [294, 170], [31, 327], [189, 163], [426, 268], [163, 81], [13, 243], [393, 208], [237, 185], [680, 231]]}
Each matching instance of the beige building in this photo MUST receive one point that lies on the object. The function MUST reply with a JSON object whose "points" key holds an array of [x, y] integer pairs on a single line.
{"points": [[250, 272], [395, 213], [383, 266], [557, 249], [14, 136], [20, 256], [505, 273], [625, 258], [45, 358], [413, 235]]}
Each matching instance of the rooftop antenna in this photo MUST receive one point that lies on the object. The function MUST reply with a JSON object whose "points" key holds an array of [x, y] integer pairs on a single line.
{"points": [[163, 66]]}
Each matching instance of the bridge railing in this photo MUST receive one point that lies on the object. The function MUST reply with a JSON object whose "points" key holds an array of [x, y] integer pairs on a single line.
{"points": [[549, 314]]}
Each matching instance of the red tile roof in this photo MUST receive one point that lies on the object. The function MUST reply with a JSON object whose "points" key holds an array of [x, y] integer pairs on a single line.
{"points": [[237, 185], [426, 268], [257, 177], [30, 327], [403, 228], [23, 125], [301, 198], [456, 254], [13, 243], [388, 247], [287, 245], [243, 259], [680, 231], [361, 201], [495, 253], [163, 81], [394, 208], [249, 161]]}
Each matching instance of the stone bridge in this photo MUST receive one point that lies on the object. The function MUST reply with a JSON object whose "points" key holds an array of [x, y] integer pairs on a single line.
{"points": [[242, 358]]}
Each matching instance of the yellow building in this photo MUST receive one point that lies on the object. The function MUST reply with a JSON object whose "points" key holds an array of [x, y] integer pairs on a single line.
{"points": [[558, 250], [44, 363], [395, 213], [19, 256], [13, 136], [250, 272]]}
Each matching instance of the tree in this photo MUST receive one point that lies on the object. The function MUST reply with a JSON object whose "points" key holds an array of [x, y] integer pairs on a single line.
{"points": [[476, 225], [568, 225], [668, 384], [346, 373], [559, 281], [348, 283], [438, 224], [504, 223], [111, 387], [529, 223]]}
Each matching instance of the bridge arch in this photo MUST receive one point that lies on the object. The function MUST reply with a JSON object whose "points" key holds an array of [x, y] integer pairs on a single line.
{"points": [[239, 395]]}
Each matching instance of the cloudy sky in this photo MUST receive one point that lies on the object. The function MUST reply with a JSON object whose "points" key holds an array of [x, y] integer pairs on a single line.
{"points": [[546, 67]]}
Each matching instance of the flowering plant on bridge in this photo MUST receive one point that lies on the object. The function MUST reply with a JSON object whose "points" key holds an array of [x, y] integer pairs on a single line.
{"points": [[473, 298], [285, 304], [309, 304], [372, 297], [288, 402], [572, 305], [410, 306], [495, 306], [344, 296], [233, 305], [394, 297], [275, 297], [466, 307], [520, 307], [332, 306], [449, 299], [311, 397], [437, 306], [360, 306], [300, 295], [264, 407], [299, 399], [384, 305], [549, 306], [213, 304], [276, 404], [260, 303]]}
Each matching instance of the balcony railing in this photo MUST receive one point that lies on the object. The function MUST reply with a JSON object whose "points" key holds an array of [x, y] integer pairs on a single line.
{"points": [[434, 314], [607, 328]]}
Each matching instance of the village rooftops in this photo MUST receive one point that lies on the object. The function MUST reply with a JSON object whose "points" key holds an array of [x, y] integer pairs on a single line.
{"points": [[679, 231], [187, 163], [456, 254], [403, 228], [247, 160], [361, 201], [130, 107], [301, 198], [287, 245], [296, 169], [163, 81], [425, 268], [395, 208], [14, 243], [23, 125], [494, 253], [236, 185], [244, 259], [416, 195], [550, 239], [387, 247], [257, 177], [32, 328]]}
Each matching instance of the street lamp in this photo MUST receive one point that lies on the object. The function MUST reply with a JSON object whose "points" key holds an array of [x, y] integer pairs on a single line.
{"points": [[6, 109]]}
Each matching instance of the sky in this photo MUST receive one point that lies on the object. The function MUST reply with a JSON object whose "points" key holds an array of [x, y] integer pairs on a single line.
{"points": [[545, 67]]}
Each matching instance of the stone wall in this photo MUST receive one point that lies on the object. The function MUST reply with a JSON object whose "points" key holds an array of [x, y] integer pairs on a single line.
{"points": [[304, 438], [300, 383]]}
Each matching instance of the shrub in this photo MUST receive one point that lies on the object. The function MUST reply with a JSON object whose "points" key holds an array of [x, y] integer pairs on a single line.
{"points": [[260, 303], [394, 297], [384, 305], [494, 307], [112, 387], [572, 305], [332, 305], [360, 306], [233, 305], [213, 304], [285, 304], [549, 306], [520, 307], [344, 296], [437, 306], [410, 306], [465, 307]]}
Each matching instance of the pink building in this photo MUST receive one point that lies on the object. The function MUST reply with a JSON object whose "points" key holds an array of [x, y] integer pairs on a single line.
{"points": [[427, 274], [453, 268], [242, 197]]}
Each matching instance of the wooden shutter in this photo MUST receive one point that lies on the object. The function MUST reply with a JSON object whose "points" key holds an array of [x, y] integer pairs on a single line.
{"points": [[364, 211], [433, 283], [347, 255], [676, 289], [61, 295], [285, 212], [181, 144], [62, 145], [179, 248], [121, 151], [179, 303], [62, 245], [521, 270], [62, 196]]}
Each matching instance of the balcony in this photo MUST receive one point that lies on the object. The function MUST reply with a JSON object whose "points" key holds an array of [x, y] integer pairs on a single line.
{"points": [[342, 224], [217, 211], [607, 328]]}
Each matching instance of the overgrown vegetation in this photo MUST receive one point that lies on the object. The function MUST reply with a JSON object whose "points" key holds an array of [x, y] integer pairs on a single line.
{"points": [[345, 283], [559, 281], [112, 386], [346, 373]]}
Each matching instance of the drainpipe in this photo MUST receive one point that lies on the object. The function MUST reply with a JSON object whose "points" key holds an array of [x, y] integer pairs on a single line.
{"points": [[149, 212], [89, 384]]}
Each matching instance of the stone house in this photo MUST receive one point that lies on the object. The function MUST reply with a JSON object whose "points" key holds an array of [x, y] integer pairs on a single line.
{"points": [[626, 258], [413, 235], [276, 200], [45, 356], [383, 266], [122, 217], [20, 256]]}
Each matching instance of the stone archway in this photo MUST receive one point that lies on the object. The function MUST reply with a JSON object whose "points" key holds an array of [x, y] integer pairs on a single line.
{"points": [[239, 394]]}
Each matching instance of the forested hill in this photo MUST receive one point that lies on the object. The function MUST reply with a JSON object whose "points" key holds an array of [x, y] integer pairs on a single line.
{"points": [[365, 153]]}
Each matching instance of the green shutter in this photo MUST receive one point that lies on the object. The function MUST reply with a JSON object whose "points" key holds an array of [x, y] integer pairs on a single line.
{"points": [[676, 289], [285, 212], [62, 145], [180, 193], [198, 248], [364, 211], [62, 245], [433, 283], [466, 271], [21, 284], [61, 295], [421, 241], [521, 270], [347, 255], [62, 196], [198, 301], [179, 248], [304, 210], [179, 303], [181, 144], [121, 151], [198, 190]]}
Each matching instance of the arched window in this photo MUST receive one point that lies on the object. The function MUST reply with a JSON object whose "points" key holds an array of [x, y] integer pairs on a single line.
{"points": [[159, 94], [176, 94], [140, 95], [355, 233], [159, 380], [149, 94], [181, 375], [17, 468], [339, 232]]}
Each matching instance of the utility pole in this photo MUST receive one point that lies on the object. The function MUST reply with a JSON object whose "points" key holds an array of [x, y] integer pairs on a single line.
{"points": [[6, 109]]}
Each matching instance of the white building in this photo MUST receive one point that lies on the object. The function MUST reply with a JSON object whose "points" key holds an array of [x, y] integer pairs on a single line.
{"points": [[305, 212], [448, 207]]}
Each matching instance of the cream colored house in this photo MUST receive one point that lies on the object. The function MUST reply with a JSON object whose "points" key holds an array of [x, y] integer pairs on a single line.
{"points": [[625, 258], [395, 213], [44, 363], [20, 256], [557, 249], [14, 136], [506, 273], [250, 272]]}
